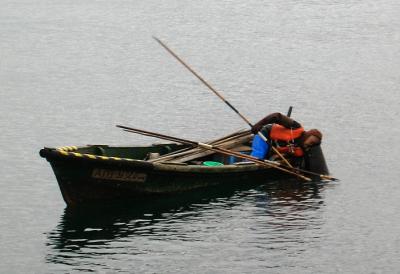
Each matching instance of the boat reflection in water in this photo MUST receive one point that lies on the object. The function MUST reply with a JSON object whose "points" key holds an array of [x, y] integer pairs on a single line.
{"points": [[85, 234]]}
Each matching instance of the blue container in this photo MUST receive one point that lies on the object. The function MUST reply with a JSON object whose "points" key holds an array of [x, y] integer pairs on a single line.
{"points": [[234, 159], [259, 148]]}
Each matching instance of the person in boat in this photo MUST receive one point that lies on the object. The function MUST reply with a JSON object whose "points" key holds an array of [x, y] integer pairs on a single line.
{"points": [[286, 134]]}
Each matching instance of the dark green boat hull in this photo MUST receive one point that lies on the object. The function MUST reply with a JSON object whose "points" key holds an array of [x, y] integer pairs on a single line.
{"points": [[95, 174]]}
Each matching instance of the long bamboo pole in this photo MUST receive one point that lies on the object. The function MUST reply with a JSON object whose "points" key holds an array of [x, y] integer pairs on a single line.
{"points": [[213, 148], [193, 151], [220, 96]]}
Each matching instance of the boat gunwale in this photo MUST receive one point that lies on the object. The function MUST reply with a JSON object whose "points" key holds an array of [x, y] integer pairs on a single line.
{"points": [[52, 154]]}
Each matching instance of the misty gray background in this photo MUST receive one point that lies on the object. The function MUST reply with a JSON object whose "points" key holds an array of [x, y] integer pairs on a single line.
{"points": [[71, 70]]}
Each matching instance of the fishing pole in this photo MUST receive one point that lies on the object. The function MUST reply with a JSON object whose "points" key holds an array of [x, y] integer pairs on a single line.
{"points": [[220, 96]]}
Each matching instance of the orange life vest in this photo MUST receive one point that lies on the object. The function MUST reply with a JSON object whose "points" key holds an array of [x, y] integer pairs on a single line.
{"points": [[295, 151], [281, 134]]}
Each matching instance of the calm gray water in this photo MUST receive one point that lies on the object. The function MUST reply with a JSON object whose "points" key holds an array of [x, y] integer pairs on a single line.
{"points": [[71, 70]]}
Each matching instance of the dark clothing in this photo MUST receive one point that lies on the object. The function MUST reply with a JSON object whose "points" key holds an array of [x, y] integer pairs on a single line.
{"points": [[275, 118]]}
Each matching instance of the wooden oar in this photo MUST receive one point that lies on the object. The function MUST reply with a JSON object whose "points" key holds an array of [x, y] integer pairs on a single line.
{"points": [[220, 96], [321, 176], [213, 148], [191, 150], [200, 152]]}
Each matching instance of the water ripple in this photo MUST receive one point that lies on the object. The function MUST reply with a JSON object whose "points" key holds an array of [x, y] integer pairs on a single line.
{"points": [[273, 217]]}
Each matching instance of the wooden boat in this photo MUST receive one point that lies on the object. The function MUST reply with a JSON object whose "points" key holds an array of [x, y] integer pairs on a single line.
{"points": [[101, 173]]}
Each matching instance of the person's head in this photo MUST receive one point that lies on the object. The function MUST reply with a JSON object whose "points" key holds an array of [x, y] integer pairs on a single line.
{"points": [[311, 138]]}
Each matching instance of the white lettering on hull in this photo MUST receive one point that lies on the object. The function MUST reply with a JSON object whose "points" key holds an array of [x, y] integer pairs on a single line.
{"points": [[119, 175]]}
